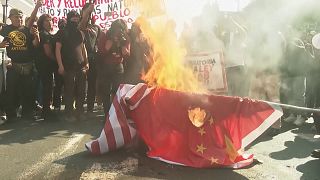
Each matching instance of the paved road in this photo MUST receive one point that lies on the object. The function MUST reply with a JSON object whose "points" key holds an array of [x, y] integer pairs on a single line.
{"points": [[55, 150]]}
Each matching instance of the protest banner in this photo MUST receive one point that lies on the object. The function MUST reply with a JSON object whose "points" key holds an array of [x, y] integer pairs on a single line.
{"points": [[104, 13]]}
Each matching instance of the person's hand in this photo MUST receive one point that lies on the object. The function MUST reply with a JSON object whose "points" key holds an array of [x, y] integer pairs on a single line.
{"points": [[61, 70], [39, 3], [91, 7], [34, 31], [89, 10], [4, 44]]}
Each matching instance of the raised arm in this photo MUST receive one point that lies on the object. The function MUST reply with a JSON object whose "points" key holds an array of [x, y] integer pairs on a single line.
{"points": [[34, 13], [85, 17]]}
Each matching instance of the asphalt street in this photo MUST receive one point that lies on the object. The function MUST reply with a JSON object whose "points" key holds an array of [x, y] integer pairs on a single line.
{"points": [[55, 150]]}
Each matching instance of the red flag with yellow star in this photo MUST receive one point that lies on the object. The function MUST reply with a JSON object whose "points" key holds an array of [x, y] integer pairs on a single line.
{"points": [[194, 130], [201, 130]]}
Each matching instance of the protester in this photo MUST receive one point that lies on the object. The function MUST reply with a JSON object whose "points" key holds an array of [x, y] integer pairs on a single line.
{"points": [[20, 42], [46, 62], [293, 73], [72, 60], [138, 63], [58, 78], [91, 32], [3, 117], [117, 50]]}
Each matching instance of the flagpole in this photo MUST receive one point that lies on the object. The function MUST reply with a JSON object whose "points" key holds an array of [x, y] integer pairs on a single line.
{"points": [[295, 108]]}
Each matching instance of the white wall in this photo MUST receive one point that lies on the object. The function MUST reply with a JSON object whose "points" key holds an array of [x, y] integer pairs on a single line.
{"points": [[26, 6]]}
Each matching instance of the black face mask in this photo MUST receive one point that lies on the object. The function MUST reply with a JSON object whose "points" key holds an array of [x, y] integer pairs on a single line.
{"points": [[72, 24]]}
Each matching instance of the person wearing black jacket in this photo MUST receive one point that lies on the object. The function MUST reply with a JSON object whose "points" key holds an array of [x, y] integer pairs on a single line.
{"points": [[45, 62]]}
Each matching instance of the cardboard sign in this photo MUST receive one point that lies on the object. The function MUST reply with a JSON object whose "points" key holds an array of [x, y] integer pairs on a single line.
{"points": [[209, 68]]}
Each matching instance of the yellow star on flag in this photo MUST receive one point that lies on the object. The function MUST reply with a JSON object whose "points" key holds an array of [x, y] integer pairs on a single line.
{"points": [[201, 148], [214, 161], [202, 131], [230, 149], [211, 120]]}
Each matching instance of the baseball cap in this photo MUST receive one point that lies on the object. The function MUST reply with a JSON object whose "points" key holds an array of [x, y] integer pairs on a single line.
{"points": [[15, 12]]}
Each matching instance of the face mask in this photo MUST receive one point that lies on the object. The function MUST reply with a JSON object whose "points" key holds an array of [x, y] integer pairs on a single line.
{"points": [[73, 24]]}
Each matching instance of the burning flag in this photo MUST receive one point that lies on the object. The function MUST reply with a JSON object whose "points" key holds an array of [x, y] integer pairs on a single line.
{"points": [[189, 129]]}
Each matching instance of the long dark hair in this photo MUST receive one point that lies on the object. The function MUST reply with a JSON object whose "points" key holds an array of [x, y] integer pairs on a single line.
{"points": [[118, 24], [41, 20]]}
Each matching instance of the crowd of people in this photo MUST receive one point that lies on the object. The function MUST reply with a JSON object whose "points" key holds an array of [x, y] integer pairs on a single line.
{"points": [[79, 64]]}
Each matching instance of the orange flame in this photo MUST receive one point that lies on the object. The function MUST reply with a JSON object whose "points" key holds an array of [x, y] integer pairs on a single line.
{"points": [[169, 70]]}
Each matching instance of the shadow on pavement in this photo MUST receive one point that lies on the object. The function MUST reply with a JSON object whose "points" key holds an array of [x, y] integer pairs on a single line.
{"points": [[122, 164], [25, 131], [310, 169], [301, 147], [268, 136]]}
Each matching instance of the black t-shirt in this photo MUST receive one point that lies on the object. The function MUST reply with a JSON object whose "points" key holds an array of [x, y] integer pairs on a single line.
{"points": [[71, 50], [91, 35], [20, 49], [45, 38]]}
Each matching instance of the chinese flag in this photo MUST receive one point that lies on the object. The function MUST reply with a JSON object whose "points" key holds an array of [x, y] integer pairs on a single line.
{"points": [[195, 130]]}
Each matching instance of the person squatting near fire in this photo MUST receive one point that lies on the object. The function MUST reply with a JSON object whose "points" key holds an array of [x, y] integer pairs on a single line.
{"points": [[73, 64], [140, 54], [112, 59], [20, 42], [91, 34]]}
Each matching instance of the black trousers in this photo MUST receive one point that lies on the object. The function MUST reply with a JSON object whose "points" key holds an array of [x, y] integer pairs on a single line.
{"points": [[74, 89], [46, 76], [92, 84], [57, 90], [19, 90], [109, 79]]}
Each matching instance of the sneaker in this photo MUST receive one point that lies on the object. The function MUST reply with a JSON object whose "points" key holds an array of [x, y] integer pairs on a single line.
{"points": [[290, 118], [299, 121]]}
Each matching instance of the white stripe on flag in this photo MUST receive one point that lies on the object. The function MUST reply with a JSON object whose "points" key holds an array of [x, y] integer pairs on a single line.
{"points": [[103, 142], [133, 91], [263, 127], [118, 135]]}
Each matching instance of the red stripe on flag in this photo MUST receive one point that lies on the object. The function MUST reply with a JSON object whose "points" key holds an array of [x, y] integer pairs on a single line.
{"points": [[137, 96], [122, 121], [109, 134], [95, 147]]}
